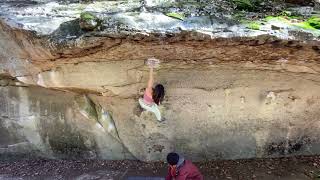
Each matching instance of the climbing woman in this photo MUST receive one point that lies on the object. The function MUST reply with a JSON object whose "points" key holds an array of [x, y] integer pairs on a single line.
{"points": [[153, 96]]}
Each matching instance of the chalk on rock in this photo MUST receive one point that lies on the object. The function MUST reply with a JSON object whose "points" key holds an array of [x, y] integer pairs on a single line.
{"points": [[153, 62]]}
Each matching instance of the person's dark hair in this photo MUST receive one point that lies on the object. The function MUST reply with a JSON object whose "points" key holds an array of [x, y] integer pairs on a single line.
{"points": [[173, 158], [158, 93]]}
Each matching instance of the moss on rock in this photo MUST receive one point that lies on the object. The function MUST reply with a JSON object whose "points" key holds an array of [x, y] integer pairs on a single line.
{"points": [[314, 22], [87, 16], [305, 25], [278, 18], [89, 21], [253, 26]]}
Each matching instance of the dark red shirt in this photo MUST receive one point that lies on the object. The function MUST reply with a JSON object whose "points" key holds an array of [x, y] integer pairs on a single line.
{"points": [[187, 171]]}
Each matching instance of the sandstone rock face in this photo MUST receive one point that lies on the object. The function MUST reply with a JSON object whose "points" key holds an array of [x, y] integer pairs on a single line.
{"points": [[231, 92], [40, 122]]}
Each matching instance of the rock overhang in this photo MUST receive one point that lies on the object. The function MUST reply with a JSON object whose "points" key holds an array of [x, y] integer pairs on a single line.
{"points": [[229, 90]]}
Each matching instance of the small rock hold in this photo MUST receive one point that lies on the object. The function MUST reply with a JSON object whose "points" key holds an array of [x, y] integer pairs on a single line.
{"points": [[316, 48], [254, 176], [271, 96], [243, 99], [315, 164], [3, 82], [273, 27]]}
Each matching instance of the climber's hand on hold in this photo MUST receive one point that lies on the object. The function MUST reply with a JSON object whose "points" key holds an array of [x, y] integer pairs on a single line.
{"points": [[153, 62]]}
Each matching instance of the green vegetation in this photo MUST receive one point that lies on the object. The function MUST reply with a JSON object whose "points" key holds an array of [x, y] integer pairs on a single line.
{"points": [[247, 5], [89, 21], [243, 4], [314, 22], [87, 16], [285, 13], [291, 15], [254, 26], [179, 16], [278, 18], [305, 25]]}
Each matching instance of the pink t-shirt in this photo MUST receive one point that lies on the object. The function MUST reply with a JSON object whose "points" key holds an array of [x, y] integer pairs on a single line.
{"points": [[147, 99]]}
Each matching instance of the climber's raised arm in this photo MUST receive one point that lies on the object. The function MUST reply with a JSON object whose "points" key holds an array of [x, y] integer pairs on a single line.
{"points": [[150, 83]]}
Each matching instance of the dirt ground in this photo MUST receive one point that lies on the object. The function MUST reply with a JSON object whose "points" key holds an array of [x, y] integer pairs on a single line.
{"points": [[291, 168]]}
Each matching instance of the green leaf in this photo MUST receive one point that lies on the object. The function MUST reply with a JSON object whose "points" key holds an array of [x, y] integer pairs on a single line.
{"points": [[179, 16]]}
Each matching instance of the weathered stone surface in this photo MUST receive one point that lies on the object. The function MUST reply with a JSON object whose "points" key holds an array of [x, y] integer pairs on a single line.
{"points": [[224, 113], [40, 122], [230, 92]]}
